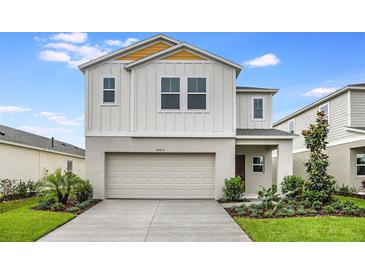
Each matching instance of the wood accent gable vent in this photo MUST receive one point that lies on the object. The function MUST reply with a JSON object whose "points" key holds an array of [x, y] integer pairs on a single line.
{"points": [[183, 55], [139, 54]]}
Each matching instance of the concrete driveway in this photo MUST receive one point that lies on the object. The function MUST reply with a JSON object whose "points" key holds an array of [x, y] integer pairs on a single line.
{"points": [[151, 221]]}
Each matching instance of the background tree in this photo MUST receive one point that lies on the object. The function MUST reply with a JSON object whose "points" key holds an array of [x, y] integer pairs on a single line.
{"points": [[320, 185]]}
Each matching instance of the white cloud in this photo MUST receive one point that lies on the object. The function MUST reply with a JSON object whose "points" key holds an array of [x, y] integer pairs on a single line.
{"points": [[318, 92], [73, 49], [45, 131], [73, 37], [127, 42], [81, 118], [13, 109], [47, 114], [65, 46], [269, 59], [61, 119], [54, 56]]}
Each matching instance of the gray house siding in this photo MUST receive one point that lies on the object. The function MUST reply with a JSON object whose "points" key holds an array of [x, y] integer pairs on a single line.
{"points": [[357, 108]]}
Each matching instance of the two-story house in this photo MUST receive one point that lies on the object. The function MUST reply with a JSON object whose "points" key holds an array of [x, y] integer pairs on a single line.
{"points": [[164, 119], [345, 111]]}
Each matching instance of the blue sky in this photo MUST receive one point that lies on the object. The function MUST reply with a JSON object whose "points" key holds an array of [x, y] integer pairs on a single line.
{"points": [[41, 90]]}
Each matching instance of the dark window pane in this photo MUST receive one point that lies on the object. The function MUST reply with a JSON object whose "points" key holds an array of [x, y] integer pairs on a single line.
{"points": [[69, 165], [361, 170], [197, 101], [257, 168], [257, 103], [191, 84], [258, 160], [175, 84], [170, 101], [201, 85], [109, 83], [165, 85], [258, 114], [360, 159], [108, 96]]}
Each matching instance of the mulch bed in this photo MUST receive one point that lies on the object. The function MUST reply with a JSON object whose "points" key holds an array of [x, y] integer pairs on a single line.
{"points": [[72, 203], [337, 213], [233, 201]]}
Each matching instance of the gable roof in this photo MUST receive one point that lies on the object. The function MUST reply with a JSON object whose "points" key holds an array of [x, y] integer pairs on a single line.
{"points": [[12, 135], [113, 54], [182, 46], [360, 86], [256, 89], [176, 46]]}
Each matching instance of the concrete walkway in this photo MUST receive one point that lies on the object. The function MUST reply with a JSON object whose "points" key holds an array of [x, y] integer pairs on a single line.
{"points": [[153, 221]]}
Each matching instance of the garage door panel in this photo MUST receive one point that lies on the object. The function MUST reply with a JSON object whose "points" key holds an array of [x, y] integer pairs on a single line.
{"points": [[159, 175]]}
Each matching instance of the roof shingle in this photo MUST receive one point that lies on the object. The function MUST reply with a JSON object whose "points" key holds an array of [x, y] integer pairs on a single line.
{"points": [[25, 138]]}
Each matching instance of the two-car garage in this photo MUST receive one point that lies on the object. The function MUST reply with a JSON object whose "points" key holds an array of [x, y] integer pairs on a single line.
{"points": [[160, 175]]}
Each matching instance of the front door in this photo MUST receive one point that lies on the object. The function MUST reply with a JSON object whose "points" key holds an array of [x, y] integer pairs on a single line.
{"points": [[240, 166]]}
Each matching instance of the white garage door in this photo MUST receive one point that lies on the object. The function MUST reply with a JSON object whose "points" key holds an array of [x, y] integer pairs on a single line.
{"points": [[159, 175]]}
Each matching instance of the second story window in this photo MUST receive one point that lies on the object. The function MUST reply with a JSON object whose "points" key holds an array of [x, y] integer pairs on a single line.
{"points": [[258, 108], [109, 90], [197, 93], [170, 93], [325, 109], [291, 126]]}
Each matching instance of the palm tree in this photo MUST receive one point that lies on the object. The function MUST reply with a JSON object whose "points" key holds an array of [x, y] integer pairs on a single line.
{"points": [[62, 184]]}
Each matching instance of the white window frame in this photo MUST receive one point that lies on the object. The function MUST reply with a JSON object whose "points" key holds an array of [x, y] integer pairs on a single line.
{"points": [[359, 164], [161, 93], [263, 164], [291, 121], [328, 107], [253, 108], [115, 91], [206, 93], [183, 94]]}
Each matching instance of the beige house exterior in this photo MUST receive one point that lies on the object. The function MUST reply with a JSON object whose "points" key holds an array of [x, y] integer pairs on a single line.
{"points": [[164, 119], [345, 109], [28, 156]]}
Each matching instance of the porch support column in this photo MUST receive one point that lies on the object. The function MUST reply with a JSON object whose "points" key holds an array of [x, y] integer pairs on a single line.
{"points": [[284, 161]]}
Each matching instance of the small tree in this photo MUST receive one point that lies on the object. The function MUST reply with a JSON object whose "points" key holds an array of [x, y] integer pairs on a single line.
{"points": [[320, 185], [61, 184]]}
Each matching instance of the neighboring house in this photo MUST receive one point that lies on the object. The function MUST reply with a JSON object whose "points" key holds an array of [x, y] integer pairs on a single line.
{"points": [[345, 111], [164, 119], [25, 156]]}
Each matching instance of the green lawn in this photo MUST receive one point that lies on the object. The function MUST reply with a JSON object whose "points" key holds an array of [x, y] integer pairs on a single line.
{"points": [[18, 223], [356, 201], [305, 229]]}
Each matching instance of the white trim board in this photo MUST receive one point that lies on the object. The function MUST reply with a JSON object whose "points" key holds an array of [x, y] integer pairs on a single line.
{"points": [[161, 134]]}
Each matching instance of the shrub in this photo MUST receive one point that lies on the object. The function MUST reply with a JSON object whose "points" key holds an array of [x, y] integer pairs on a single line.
{"points": [[329, 209], [21, 189], [73, 209], [7, 187], [320, 185], [317, 205], [84, 191], [233, 189], [363, 185], [58, 207], [292, 187], [269, 214], [60, 185], [85, 204], [343, 189], [47, 203], [268, 196]]}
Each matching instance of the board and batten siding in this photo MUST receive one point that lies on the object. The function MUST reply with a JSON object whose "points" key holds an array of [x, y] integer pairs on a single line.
{"points": [[357, 108], [338, 120], [245, 110], [138, 90]]}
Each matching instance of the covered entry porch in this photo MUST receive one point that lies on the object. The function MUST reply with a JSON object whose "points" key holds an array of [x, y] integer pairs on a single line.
{"points": [[254, 150]]}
